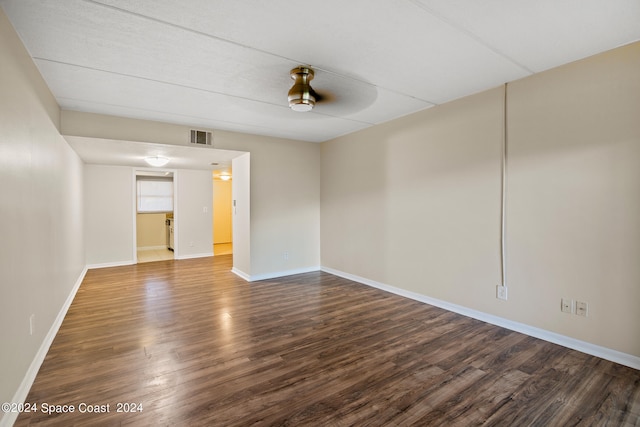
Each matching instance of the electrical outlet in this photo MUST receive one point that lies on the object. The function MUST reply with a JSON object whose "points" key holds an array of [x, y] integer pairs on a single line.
{"points": [[582, 308], [501, 292], [285, 255], [566, 305], [190, 244]]}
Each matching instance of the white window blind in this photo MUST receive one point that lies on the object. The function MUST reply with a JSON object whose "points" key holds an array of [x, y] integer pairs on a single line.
{"points": [[154, 195]]}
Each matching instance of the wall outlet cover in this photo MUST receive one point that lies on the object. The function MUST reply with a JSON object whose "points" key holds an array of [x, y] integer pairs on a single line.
{"points": [[501, 292], [582, 308]]}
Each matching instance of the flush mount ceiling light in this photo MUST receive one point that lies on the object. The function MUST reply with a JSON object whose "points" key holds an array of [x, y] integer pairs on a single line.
{"points": [[225, 177], [301, 95], [156, 161]]}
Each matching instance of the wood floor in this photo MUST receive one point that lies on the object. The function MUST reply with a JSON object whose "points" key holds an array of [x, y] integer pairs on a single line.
{"points": [[188, 343]]}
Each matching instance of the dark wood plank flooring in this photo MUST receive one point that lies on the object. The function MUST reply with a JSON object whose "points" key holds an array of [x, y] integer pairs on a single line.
{"points": [[195, 345]]}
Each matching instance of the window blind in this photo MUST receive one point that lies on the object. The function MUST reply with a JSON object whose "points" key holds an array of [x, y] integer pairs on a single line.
{"points": [[154, 195]]}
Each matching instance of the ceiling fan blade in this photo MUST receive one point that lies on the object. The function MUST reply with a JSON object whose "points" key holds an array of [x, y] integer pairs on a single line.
{"points": [[323, 96]]}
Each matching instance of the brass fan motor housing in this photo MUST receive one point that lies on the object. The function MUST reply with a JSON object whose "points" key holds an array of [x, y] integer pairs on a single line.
{"points": [[301, 96]]}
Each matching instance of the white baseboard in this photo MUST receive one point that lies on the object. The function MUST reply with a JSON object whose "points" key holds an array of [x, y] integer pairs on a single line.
{"points": [[565, 341], [111, 264], [191, 256], [274, 275], [241, 274], [151, 248], [9, 418]]}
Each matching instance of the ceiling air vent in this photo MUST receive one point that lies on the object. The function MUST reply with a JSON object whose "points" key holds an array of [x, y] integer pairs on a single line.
{"points": [[200, 137]]}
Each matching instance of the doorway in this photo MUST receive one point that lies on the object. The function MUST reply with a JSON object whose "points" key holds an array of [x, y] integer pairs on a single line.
{"points": [[222, 212], [154, 216]]}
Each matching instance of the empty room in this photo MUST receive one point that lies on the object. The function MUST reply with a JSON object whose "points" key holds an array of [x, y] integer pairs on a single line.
{"points": [[363, 213]]}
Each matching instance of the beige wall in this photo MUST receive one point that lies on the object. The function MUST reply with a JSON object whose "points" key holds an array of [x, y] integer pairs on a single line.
{"points": [[414, 203], [41, 180], [110, 213], [193, 228], [285, 201], [151, 230], [108, 209], [284, 186], [241, 223], [573, 196]]}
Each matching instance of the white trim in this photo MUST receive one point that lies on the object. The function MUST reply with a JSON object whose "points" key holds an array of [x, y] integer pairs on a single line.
{"points": [[111, 264], [274, 275], [563, 340], [241, 274], [9, 418], [202, 255], [134, 215], [176, 216]]}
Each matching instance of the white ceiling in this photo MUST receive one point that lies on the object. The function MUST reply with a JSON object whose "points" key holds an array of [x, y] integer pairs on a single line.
{"points": [[225, 64]]}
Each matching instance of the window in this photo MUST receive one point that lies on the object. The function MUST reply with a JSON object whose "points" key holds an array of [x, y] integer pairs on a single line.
{"points": [[154, 194]]}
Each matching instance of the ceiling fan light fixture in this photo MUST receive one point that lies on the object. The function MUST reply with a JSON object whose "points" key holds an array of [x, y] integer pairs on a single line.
{"points": [[301, 105], [301, 96], [156, 161]]}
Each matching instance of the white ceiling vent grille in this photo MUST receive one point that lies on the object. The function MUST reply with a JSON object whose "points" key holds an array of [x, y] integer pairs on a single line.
{"points": [[199, 137]]}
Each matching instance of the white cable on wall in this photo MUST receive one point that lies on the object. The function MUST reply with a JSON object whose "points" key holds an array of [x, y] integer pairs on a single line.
{"points": [[503, 191]]}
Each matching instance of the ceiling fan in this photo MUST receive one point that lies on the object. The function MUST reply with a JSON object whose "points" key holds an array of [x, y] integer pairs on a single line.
{"points": [[346, 96], [302, 97]]}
